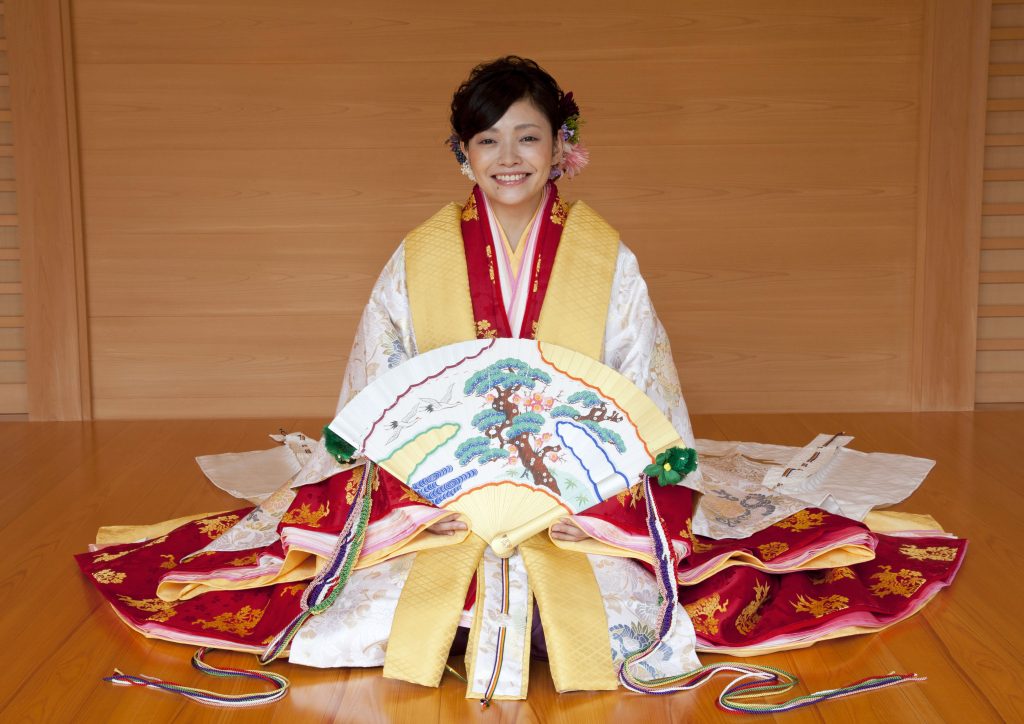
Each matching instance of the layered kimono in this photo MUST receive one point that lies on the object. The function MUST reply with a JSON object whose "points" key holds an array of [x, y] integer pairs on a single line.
{"points": [[759, 568]]}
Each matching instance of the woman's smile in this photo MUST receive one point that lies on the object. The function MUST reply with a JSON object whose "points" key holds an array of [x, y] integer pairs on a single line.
{"points": [[512, 162]]}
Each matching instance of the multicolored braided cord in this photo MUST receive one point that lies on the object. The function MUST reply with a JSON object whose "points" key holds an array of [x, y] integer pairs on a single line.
{"points": [[328, 584], [211, 697], [756, 681]]}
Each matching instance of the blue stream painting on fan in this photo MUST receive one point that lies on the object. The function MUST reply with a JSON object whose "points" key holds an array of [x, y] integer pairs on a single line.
{"points": [[574, 437]]}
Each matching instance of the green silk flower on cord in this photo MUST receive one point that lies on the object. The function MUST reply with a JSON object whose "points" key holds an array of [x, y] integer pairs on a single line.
{"points": [[672, 465], [338, 448]]}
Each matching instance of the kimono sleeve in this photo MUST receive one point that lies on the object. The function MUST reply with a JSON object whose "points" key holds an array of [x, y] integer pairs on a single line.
{"points": [[637, 346], [384, 337]]}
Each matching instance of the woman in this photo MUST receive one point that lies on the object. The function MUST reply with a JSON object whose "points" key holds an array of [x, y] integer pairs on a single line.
{"points": [[513, 261]]}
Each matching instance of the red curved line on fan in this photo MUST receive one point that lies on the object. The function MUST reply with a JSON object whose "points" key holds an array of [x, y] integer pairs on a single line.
{"points": [[540, 351], [417, 384], [538, 488]]}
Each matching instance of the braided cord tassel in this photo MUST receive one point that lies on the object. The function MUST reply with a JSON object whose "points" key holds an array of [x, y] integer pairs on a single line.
{"points": [[668, 594], [328, 584], [203, 696]]}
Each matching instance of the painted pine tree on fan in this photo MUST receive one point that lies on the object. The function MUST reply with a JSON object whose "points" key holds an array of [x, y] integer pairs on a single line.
{"points": [[512, 425]]}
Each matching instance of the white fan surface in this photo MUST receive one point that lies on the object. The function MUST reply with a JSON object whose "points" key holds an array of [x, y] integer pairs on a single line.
{"points": [[510, 433]]}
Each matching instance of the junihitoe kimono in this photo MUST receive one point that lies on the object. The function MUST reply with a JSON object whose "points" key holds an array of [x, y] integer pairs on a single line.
{"points": [[770, 548]]}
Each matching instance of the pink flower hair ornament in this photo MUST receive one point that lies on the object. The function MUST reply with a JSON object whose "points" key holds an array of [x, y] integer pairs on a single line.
{"points": [[575, 156]]}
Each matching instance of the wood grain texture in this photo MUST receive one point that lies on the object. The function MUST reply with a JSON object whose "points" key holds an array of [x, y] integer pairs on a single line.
{"points": [[47, 189], [246, 160], [1000, 362], [967, 641], [949, 230]]}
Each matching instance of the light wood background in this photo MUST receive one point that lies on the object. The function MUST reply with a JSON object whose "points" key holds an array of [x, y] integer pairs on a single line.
{"points": [[801, 180]]}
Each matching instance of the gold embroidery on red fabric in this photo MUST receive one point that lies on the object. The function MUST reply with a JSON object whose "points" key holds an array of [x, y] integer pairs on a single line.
{"points": [[832, 575], [109, 576], [305, 515], [485, 330], [161, 610], [106, 557], [932, 553], [772, 550], [536, 280], [169, 561], [216, 527], [695, 544], [293, 590], [559, 212], [249, 560], [490, 262], [410, 494], [751, 613], [904, 583], [352, 485], [818, 607], [634, 495], [241, 623], [702, 613], [469, 212], [802, 520]]}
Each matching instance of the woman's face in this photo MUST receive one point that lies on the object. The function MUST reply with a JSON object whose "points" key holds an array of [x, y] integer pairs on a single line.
{"points": [[512, 160]]}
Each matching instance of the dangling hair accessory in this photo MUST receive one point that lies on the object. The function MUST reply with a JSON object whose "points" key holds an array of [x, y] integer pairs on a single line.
{"points": [[455, 144], [576, 156]]}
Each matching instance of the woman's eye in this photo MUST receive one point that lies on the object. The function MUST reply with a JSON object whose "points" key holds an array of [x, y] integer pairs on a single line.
{"points": [[485, 141], [529, 139]]}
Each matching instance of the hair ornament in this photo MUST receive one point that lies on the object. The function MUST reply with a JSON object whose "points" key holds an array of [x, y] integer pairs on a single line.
{"points": [[455, 144], [575, 156]]}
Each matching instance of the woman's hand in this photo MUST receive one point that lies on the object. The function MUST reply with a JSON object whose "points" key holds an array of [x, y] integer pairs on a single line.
{"points": [[567, 531], [449, 525]]}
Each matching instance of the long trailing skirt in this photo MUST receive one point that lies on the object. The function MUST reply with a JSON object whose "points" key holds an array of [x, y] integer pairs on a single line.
{"points": [[234, 580]]}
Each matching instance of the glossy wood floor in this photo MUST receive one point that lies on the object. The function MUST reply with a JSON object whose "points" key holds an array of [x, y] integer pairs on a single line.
{"points": [[59, 481]]}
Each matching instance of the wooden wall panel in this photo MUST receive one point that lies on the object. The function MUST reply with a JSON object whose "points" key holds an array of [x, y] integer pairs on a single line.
{"points": [[249, 165], [47, 182], [1000, 361], [13, 377]]}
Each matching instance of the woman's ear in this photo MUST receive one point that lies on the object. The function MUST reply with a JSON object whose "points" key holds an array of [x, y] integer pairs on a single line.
{"points": [[557, 150]]}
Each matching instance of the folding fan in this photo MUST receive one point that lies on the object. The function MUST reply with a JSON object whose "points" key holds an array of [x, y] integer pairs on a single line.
{"points": [[512, 434]]}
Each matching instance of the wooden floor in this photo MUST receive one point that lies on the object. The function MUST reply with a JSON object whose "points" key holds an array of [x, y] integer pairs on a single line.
{"points": [[59, 481]]}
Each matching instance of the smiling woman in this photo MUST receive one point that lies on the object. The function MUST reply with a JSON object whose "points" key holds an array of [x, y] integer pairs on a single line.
{"points": [[507, 117], [744, 569], [511, 162]]}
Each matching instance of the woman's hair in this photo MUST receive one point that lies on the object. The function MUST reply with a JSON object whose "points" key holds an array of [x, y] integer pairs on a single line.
{"points": [[492, 87]]}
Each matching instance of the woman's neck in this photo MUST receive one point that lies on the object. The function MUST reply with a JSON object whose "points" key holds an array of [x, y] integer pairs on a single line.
{"points": [[513, 226], [515, 220]]}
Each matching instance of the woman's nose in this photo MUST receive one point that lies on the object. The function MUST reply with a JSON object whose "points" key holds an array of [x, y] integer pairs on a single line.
{"points": [[509, 155]]}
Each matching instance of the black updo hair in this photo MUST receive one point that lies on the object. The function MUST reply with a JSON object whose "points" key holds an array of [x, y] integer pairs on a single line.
{"points": [[494, 86]]}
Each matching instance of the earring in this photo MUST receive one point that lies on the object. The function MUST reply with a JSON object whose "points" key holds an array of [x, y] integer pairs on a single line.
{"points": [[467, 171]]}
